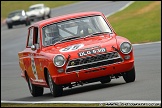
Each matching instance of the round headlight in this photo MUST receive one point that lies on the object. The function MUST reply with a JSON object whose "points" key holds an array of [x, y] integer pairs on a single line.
{"points": [[125, 47], [59, 60], [8, 20], [23, 18]]}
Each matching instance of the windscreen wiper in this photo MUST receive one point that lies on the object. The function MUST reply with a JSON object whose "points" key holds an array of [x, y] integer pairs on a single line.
{"points": [[64, 40], [70, 38], [94, 34]]}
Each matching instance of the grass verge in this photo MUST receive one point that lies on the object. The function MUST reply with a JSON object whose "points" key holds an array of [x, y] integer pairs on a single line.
{"points": [[140, 22], [81, 105], [50, 105]]}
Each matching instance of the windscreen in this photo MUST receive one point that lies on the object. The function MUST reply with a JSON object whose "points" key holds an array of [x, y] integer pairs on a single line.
{"points": [[16, 13], [79, 27]]}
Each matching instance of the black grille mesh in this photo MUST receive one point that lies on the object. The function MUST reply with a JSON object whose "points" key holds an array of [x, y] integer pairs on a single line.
{"points": [[93, 61]]}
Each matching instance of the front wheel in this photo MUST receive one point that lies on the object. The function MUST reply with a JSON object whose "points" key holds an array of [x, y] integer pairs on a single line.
{"points": [[129, 76], [49, 15], [43, 17], [27, 23], [34, 90], [9, 26], [56, 90]]}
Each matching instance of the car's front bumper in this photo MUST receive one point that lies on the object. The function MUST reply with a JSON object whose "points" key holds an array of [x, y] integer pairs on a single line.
{"points": [[94, 72], [17, 22], [33, 17]]}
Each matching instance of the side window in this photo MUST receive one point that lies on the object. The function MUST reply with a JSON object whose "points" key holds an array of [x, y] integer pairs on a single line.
{"points": [[36, 37], [30, 39]]}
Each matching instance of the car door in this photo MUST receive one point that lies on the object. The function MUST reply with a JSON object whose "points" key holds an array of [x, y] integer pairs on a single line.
{"points": [[28, 60], [37, 57], [33, 55]]}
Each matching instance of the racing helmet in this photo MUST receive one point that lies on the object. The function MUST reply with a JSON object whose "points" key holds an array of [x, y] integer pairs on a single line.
{"points": [[51, 31]]}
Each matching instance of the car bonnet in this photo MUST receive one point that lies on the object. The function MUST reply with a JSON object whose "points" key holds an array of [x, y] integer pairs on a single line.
{"points": [[74, 47]]}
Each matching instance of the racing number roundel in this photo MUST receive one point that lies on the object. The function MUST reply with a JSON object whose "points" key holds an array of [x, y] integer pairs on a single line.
{"points": [[71, 48]]}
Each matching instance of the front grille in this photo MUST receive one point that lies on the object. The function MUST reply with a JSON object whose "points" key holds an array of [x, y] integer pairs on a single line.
{"points": [[93, 61], [17, 22], [33, 16]]}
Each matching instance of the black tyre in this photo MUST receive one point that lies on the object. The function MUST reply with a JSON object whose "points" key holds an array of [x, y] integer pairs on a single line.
{"points": [[105, 80], [34, 90], [31, 20], [49, 15], [129, 76], [43, 17], [56, 90], [9, 26], [27, 23]]}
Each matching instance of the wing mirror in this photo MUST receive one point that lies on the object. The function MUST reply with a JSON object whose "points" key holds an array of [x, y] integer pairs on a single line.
{"points": [[33, 47]]}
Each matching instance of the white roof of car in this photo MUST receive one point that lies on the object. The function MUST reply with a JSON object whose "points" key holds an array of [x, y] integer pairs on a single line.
{"points": [[36, 5]]}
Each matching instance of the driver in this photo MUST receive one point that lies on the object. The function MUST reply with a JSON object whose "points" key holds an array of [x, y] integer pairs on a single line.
{"points": [[52, 34]]}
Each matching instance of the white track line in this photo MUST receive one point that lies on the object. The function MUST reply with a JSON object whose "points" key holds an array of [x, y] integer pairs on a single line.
{"points": [[122, 8], [84, 102]]}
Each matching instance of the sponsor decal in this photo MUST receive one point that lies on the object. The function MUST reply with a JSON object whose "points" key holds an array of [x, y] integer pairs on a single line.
{"points": [[72, 63]]}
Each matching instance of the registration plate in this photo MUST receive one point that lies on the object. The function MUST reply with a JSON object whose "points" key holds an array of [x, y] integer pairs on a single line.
{"points": [[93, 51]]}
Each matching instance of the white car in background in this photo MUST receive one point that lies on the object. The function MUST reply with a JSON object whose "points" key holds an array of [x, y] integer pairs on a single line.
{"points": [[38, 11]]}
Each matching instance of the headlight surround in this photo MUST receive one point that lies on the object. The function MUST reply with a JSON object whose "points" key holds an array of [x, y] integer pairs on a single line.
{"points": [[8, 20], [41, 11], [59, 60], [125, 47]]}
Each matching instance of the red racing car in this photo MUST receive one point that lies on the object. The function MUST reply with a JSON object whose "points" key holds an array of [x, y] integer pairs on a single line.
{"points": [[74, 49]]}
